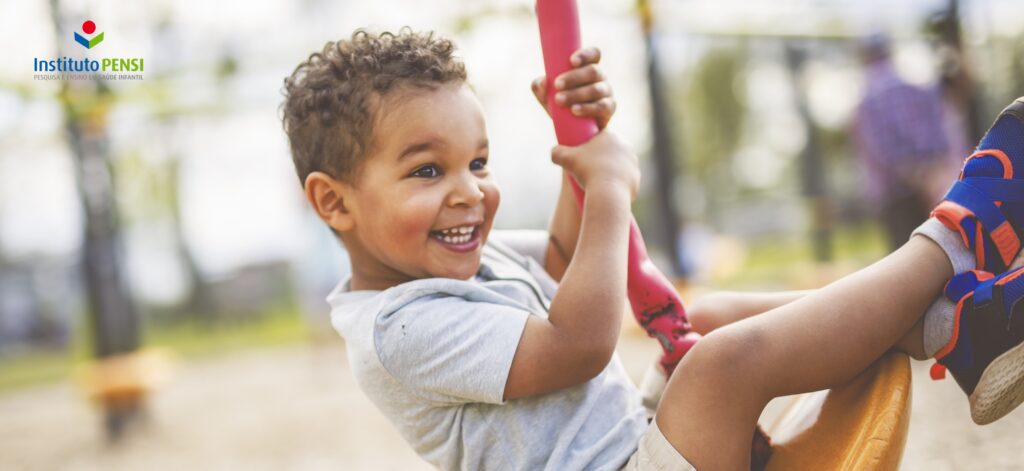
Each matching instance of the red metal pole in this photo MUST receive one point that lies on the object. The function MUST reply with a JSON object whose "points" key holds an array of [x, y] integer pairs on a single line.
{"points": [[655, 302]]}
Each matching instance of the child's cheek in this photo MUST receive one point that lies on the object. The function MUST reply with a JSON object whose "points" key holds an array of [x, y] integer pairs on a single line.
{"points": [[417, 218], [492, 197]]}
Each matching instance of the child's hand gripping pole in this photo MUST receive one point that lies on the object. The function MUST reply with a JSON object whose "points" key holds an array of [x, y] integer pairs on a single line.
{"points": [[654, 300]]}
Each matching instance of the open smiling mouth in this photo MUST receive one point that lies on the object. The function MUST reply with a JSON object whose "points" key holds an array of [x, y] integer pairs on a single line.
{"points": [[459, 239]]}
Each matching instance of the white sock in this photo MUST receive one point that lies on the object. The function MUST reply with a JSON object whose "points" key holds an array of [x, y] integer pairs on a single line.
{"points": [[938, 319], [938, 325]]}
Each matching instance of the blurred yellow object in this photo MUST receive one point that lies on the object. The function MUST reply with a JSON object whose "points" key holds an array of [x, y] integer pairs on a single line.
{"points": [[126, 378], [861, 425]]}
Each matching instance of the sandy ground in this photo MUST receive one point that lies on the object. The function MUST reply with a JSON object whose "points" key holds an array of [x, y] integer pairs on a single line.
{"points": [[300, 408]]}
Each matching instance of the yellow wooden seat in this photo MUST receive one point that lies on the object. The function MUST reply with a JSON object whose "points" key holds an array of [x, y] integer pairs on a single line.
{"points": [[858, 426]]}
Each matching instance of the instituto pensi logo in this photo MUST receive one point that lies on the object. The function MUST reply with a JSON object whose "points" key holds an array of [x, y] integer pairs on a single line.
{"points": [[88, 28], [74, 66]]}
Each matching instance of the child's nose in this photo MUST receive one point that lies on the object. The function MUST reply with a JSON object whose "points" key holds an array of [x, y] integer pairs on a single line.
{"points": [[467, 191]]}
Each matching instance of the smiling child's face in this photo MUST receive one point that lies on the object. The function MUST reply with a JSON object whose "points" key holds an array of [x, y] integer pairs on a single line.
{"points": [[424, 199]]}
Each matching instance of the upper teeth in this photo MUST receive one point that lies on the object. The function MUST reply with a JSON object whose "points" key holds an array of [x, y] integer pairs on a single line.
{"points": [[456, 235], [457, 230]]}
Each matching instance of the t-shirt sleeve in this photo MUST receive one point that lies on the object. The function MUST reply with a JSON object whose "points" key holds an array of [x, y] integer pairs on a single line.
{"points": [[448, 349]]}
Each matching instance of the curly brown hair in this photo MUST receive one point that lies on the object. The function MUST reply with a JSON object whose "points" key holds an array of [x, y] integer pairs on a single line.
{"points": [[330, 98]]}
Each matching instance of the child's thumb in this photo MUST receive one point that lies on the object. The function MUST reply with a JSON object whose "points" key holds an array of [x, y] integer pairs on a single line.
{"points": [[563, 157], [540, 91]]}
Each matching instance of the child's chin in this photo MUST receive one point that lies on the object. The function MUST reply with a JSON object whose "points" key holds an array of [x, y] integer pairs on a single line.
{"points": [[462, 273]]}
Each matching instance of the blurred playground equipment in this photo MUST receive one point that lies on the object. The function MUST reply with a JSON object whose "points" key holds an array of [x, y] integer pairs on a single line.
{"points": [[119, 383]]}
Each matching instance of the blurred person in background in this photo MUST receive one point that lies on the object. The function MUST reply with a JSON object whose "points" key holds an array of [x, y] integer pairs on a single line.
{"points": [[900, 140]]}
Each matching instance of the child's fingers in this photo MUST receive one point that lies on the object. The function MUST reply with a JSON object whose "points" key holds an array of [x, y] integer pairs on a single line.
{"points": [[587, 55], [586, 94], [539, 87], [580, 76], [602, 110]]}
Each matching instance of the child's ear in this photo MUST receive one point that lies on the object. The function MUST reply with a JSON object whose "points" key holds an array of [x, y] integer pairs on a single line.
{"points": [[328, 198]]}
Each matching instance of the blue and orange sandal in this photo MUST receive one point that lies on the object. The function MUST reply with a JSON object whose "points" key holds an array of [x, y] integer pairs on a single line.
{"points": [[986, 203], [986, 351]]}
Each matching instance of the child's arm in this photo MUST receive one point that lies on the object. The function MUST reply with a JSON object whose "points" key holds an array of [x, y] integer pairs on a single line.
{"points": [[563, 232], [578, 338], [585, 88]]}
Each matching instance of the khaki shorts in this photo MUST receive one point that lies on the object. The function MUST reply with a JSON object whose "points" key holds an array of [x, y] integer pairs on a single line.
{"points": [[656, 453]]}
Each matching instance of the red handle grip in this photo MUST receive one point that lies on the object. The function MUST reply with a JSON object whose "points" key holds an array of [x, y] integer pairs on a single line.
{"points": [[654, 300]]}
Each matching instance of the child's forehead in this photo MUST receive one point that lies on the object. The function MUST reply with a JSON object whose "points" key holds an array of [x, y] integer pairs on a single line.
{"points": [[449, 115]]}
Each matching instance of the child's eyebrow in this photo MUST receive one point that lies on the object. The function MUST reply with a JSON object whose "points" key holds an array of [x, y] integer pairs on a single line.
{"points": [[429, 144], [418, 147]]}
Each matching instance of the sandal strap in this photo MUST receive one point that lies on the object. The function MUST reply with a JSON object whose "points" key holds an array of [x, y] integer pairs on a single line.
{"points": [[983, 208], [998, 189], [983, 293], [962, 284], [1013, 290], [982, 284]]}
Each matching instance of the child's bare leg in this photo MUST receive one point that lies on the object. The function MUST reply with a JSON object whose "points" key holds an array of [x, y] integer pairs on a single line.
{"points": [[721, 308], [912, 342], [713, 400]]}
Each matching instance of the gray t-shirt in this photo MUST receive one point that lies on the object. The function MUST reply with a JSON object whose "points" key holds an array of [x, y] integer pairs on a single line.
{"points": [[434, 355]]}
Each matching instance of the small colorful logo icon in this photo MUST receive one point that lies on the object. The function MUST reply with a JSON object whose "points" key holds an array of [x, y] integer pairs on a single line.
{"points": [[88, 28]]}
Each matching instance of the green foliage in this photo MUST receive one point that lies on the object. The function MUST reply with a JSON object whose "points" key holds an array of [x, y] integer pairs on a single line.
{"points": [[197, 339], [36, 367], [712, 110], [188, 339], [782, 262], [147, 191], [1016, 85], [710, 114]]}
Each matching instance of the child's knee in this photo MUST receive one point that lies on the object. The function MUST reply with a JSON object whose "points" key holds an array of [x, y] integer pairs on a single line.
{"points": [[728, 356], [707, 312]]}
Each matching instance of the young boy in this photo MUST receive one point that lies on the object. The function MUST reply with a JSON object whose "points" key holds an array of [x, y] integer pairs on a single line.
{"points": [[497, 351]]}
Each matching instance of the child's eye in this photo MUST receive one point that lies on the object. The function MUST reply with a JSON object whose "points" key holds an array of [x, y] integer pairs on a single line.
{"points": [[478, 164], [426, 171]]}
